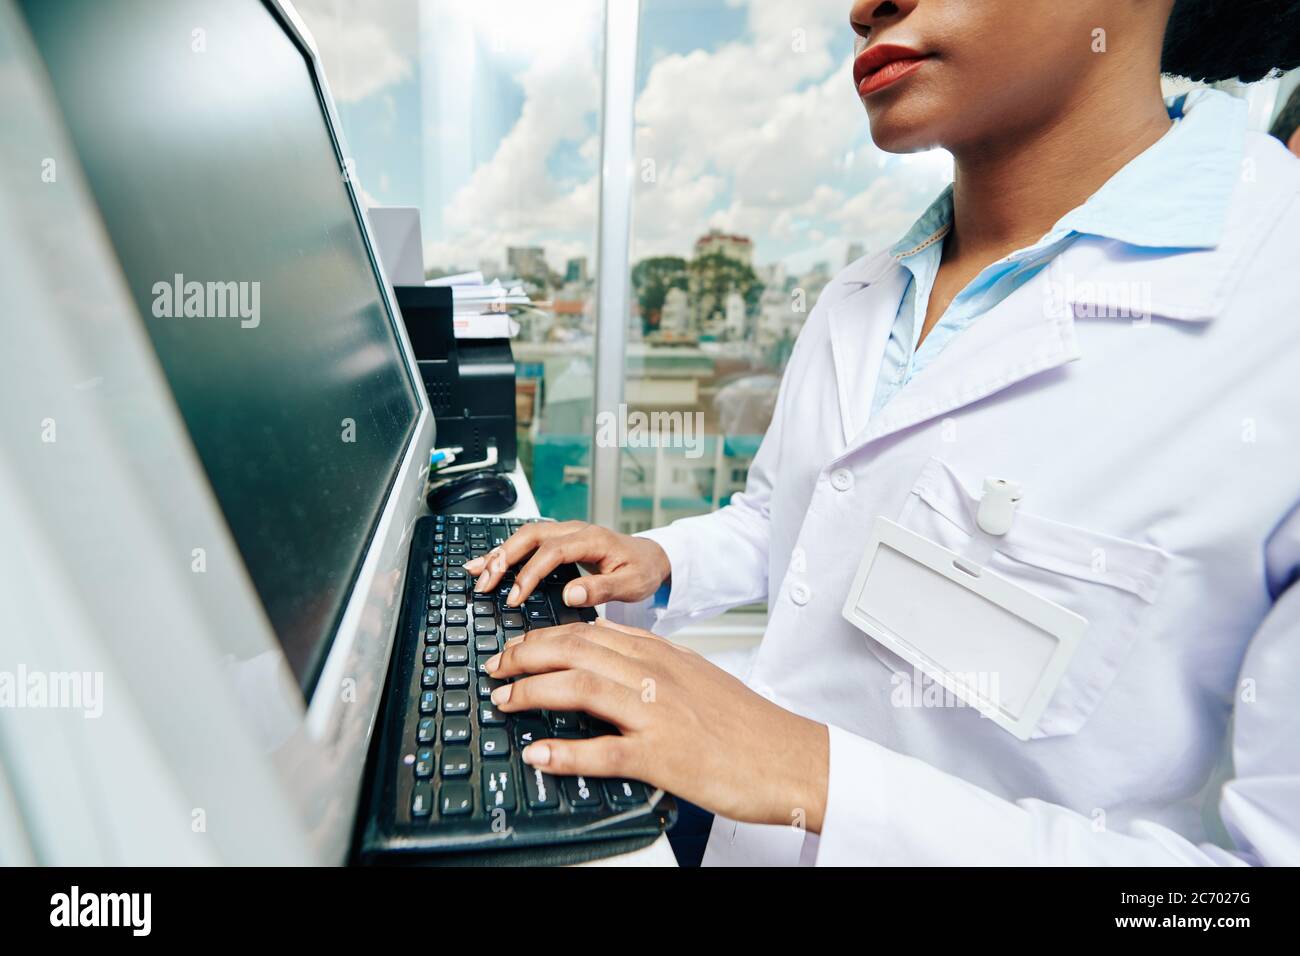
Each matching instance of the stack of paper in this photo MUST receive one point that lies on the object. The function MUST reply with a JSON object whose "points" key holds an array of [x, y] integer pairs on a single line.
{"points": [[483, 310]]}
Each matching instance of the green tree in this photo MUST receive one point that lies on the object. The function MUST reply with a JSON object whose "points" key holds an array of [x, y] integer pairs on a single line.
{"points": [[715, 276], [652, 278]]}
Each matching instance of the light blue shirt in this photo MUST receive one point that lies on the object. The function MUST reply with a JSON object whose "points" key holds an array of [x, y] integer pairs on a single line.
{"points": [[1174, 195]]}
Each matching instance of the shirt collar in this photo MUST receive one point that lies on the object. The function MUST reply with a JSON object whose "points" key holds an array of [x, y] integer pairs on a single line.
{"points": [[1173, 195]]}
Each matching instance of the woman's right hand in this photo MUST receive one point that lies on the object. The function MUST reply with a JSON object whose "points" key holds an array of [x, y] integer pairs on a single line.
{"points": [[623, 567]]}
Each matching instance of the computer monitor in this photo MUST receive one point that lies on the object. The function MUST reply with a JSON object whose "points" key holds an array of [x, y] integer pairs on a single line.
{"points": [[208, 145]]}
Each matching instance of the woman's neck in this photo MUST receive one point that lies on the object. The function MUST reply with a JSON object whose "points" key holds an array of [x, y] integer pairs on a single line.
{"points": [[1010, 190]]}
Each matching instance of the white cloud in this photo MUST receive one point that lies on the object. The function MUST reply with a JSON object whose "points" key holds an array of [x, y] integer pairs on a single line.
{"points": [[771, 123], [364, 44], [763, 136], [512, 197]]}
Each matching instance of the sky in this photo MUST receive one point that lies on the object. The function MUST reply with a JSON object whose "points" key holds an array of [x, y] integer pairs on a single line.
{"points": [[486, 115]]}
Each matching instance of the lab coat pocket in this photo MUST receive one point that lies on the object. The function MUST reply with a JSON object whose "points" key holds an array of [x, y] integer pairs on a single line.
{"points": [[1108, 580]]}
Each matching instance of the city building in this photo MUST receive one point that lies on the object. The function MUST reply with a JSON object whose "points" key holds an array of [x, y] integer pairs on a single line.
{"points": [[575, 271], [740, 248], [527, 262]]}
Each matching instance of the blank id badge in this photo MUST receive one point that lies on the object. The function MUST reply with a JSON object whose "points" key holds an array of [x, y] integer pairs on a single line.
{"points": [[995, 645]]}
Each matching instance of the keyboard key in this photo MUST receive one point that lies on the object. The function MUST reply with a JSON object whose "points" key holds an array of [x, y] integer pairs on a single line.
{"points": [[582, 793], [457, 587], [486, 685], [484, 608], [429, 676], [455, 730], [457, 635], [485, 625], [455, 677], [537, 616], [455, 702], [498, 787], [435, 594], [455, 618], [433, 617], [457, 654], [566, 723], [432, 635], [486, 644], [428, 702], [539, 789], [456, 574], [623, 793], [424, 762], [455, 602], [456, 761], [530, 729], [425, 730], [512, 620], [431, 656], [421, 800], [493, 742], [457, 799], [489, 716]]}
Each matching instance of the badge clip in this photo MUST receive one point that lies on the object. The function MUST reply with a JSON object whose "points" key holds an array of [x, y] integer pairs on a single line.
{"points": [[997, 507]]}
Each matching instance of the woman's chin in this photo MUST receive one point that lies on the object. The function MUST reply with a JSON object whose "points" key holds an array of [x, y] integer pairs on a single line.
{"points": [[905, 126]]}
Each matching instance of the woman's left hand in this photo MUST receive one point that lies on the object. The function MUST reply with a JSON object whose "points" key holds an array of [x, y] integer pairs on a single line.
{"points": [[687, 726]]}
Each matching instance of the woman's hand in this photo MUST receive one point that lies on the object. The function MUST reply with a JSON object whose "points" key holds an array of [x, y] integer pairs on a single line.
{"points": [[626, 568], [687, 726]]}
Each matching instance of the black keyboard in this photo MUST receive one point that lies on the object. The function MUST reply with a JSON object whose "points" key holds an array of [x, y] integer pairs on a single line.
{"points": [[447, 773]]}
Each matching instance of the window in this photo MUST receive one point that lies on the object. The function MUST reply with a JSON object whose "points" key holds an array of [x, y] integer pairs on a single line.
{"points": [[486, 116], [756, 181]]}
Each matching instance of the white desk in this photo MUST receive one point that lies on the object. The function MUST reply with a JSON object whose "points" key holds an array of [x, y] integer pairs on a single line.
{"points": [[658, 853]]}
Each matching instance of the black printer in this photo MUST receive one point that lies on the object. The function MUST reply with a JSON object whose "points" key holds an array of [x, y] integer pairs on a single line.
{"points": [[471, 382]]}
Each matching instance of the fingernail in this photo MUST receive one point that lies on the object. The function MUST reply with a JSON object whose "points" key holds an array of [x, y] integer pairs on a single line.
{"points": [[575, 595], [474, 566], [502, 694], [513, 597], [537, 755], [481, 584], [493, 663]]}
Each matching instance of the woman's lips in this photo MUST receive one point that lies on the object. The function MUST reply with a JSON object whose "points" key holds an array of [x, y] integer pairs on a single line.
{"points": [[882, 65]]}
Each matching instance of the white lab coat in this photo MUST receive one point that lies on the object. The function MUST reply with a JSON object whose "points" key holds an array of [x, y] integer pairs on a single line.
{"points": [[1161, 466]]}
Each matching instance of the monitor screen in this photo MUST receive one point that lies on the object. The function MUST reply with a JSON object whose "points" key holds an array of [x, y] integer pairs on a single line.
{"points": [[201, 131]]}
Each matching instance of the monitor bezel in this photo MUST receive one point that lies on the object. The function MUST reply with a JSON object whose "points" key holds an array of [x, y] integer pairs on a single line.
{"points": [[325, 763]]}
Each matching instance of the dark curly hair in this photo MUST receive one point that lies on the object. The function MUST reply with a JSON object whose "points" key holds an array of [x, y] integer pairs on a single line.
{"points": [[1212, 40]]}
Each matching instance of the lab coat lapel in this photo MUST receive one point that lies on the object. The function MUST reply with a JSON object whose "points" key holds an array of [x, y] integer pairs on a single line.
{"points": [[1029, 333], [859, 329]]}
